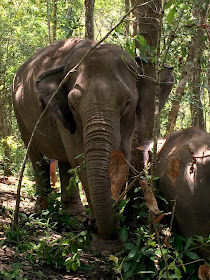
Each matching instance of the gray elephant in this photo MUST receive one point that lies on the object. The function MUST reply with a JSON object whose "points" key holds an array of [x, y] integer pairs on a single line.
{"points": [[183, 167], [144, 124], [93, 114]]}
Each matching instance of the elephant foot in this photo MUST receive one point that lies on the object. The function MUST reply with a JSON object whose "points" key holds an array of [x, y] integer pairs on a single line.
{"points": [[89, 222], [41, 204], [106, 246], [75, 209]]}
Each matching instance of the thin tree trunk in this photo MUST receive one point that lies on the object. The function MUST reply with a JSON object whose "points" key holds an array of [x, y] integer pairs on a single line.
{"points": [[156, 41], [136, 16], [89, 25], [149, 22], [196, 106], [48, 22], [3, 125], [54, 20], [127, 22], [187, 69], [208, 85]]}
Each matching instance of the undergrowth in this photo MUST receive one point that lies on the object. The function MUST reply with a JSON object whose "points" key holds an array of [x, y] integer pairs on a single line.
{"points": [[148, 254]]}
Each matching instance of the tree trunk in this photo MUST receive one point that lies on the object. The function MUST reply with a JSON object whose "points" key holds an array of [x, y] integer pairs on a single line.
{"points": [[89, 25], [48, 22], [54, 20], [196, 106], [208, 84], [187, 69], [4, 133], [147, 21], [149, 28], [127, 22]]}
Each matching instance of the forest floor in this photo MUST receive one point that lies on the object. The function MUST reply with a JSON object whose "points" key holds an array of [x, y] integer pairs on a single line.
{"points": [[14, 264]]}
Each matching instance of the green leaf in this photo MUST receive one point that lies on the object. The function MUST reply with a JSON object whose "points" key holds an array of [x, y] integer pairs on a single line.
{"points": [[169, 4], [178, 272], [142, 40], [129, 274], [171, 14], [151, 243], [125, 266], [130, 246], [124, 234], [192, 255], [158, 251], [145, 272], [123, 203], [174, 276], [132, 254], [188, 244], [74, 266], [114, 259]]}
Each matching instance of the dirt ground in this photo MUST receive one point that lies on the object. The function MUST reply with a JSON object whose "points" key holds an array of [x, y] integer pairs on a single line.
{"points": [[11, 259]]}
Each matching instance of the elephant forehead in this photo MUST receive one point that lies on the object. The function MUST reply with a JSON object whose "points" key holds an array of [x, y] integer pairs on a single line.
{"points": [[104, 86]]}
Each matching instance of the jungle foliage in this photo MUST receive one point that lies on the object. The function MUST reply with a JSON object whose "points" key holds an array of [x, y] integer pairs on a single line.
{"points": [[27, 26]]}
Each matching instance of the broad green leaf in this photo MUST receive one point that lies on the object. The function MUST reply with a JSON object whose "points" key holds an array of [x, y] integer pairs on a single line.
{"points": [[142, 40], [178, 272], [132, 254], [130, 246], [124, 234], [158, 251], [151, 243], [126, 266], [169, 4], [188, 244], [192, 255], [171, 14]]}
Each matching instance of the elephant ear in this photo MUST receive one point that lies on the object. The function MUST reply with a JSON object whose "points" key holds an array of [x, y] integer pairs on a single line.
{"points": [[45, 86]]}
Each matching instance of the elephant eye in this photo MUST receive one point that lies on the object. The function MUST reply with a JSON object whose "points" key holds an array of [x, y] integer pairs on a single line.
{"points": [[128, 103], [126, 107]]}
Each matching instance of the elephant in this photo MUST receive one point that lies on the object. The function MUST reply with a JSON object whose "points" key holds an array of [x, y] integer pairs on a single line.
{"points": [[93, 114], [183, 167], [144, 122]]}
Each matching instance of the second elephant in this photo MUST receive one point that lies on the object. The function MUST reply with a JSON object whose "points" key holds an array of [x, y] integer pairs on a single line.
{"points": [[183, 167]]}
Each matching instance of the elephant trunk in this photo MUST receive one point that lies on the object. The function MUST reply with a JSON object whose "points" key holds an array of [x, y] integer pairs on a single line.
{"points": [[101, 137]]}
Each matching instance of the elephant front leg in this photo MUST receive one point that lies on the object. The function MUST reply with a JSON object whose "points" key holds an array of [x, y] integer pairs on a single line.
{"points": [[70, 197], [42, 177]]}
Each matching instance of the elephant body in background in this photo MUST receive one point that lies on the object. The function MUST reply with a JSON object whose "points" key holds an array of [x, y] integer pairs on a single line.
{"points": [[93, 114], [144, 124], [184, 170]]}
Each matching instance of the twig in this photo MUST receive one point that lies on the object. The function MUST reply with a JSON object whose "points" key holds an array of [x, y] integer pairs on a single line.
{"points": [[123, 194]]}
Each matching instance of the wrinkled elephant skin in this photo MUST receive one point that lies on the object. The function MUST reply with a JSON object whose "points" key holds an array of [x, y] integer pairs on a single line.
{"points": [[183, 167], [93, 114], [145, 115]]}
